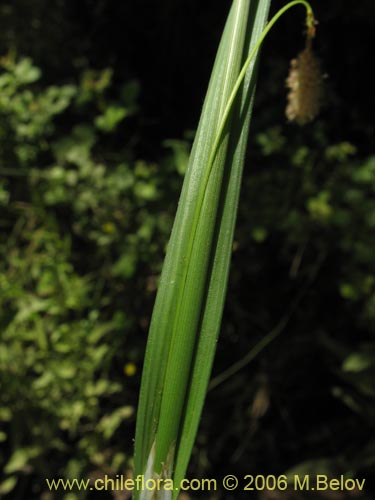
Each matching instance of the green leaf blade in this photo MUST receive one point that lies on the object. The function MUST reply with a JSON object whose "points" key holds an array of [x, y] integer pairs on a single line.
{"points": [[188, 308]]}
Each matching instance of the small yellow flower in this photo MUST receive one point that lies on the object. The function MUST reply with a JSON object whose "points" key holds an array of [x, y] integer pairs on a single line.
{"points": [[130, 369], [109, 227]]}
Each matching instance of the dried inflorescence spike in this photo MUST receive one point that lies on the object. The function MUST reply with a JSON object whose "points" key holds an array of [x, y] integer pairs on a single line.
{"points": [[305, 87]]}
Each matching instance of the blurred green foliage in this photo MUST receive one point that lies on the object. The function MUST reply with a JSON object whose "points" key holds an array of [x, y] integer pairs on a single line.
{"points": [[89, 182], [76, 230]]}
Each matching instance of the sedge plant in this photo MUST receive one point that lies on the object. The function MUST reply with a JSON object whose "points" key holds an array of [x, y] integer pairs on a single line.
{"points": [[188, 309]]}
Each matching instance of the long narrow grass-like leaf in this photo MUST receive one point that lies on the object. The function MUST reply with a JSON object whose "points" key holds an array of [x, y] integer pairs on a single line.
{"points": [[188, 308]]}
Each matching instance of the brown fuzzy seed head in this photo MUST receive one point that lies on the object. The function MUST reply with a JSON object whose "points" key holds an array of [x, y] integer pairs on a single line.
{"points": [[305, 88]]}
